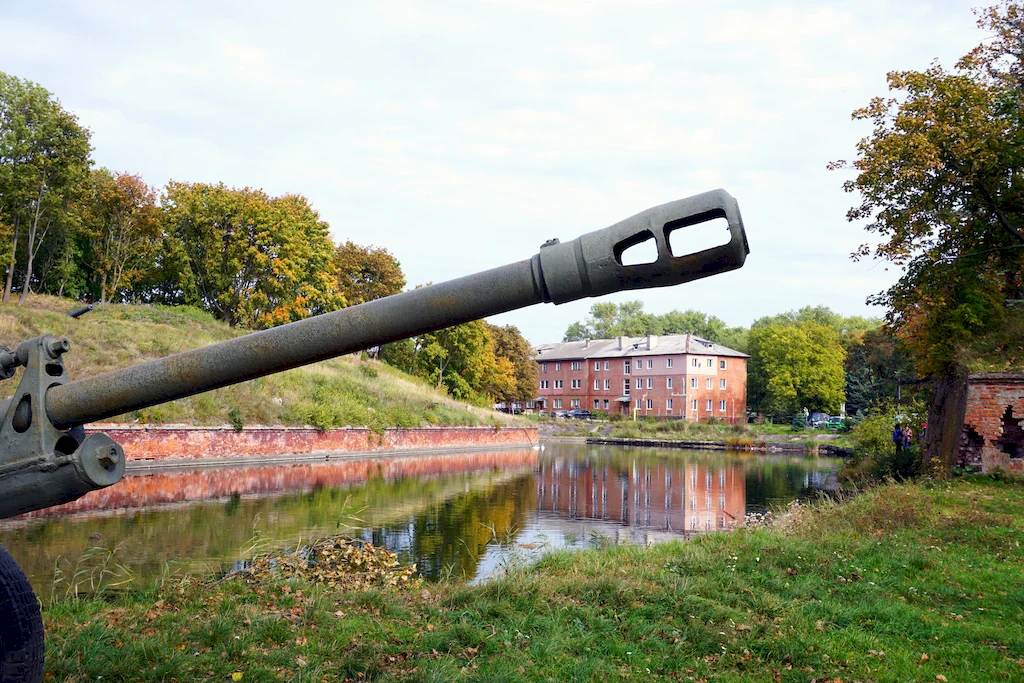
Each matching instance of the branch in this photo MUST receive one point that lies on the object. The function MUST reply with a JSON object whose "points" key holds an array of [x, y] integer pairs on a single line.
{"points": [[999, 214]]}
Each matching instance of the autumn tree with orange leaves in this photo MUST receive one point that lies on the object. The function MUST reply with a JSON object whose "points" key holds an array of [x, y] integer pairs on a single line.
{"points": [[941, 186]]}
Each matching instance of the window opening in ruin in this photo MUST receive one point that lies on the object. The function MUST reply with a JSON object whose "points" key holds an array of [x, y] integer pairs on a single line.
{"points": [[1011, 441]]}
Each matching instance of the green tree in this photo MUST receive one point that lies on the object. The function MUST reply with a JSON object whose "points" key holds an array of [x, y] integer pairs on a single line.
{"points": [[44, 153], [366, 273], [249, 259], [793, 367], [941, 186], [461, 359], [509, 344], [119, 215]]}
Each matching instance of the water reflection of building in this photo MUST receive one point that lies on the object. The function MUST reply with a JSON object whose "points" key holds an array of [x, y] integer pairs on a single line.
{"points": [[687, 498]]}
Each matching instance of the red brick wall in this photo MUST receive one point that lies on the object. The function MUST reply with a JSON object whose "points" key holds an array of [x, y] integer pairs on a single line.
{"points": [[165, 443], [988, 397]]}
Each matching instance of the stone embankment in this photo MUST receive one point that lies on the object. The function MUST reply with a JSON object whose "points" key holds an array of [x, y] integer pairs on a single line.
{"points": [[161, 446]]}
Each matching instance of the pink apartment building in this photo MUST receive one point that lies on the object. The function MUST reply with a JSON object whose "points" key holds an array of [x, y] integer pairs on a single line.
{"points": [[676, 375]]}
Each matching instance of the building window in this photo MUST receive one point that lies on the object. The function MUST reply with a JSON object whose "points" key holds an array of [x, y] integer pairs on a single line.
{"points": [[558, 366], [707, 382], [668, 382], [696, 362], [639, 365], [707, 405], [650, 404], [607, 384], [558, 384], [626, 367], [711, 363], [721, 365], [693, 404], [607, 365], [639, 382], [606, 404], [597, 403], [693, 382], [577, 365], [625, 387], [597, 365], [638, 404], [721, 406], [597, 385], [668, 362], [650, 382], [558, 403], [650, 363], [668, 404], [721, 384], [574, 403], [543, 367], [544, 384], [577, 384]]}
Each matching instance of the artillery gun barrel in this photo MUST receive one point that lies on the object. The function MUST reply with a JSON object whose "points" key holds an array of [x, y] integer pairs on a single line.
{"points": [[590, 265]]}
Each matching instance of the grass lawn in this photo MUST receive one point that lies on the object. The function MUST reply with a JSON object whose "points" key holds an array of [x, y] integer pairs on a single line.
{"points": [[909, 582]]}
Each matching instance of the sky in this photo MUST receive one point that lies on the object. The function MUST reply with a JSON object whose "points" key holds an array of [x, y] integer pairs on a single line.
{"points": [[460, 136]]}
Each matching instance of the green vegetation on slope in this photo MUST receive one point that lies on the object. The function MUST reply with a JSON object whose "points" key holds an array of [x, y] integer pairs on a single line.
{"points": [[337, 393], [908, 582]]}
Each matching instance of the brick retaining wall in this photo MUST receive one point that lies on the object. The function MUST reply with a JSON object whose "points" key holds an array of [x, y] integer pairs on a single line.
{"points": [[160, 443]]}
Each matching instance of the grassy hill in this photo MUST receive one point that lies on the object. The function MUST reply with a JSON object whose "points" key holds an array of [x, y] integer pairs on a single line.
{"points": [[343, 392]]}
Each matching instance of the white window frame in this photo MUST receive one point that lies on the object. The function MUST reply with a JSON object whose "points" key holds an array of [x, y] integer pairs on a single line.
{"points": [[668, 382], [650, 363], [558, 384], [576, 384], [707, 406], [558, 403], [721, 365], [544, 383], [626, 367], [607, 385], [721, 384], [696, 362], [711, 362], [574, 403], [650, 382], [650, 404], [693, 404], [668, 362], [639, 382], [597, 385], [607, 365], [639, 364], [668, 404], [577, 365], [693, 382], [597, 403], [721, 406], [707, 383], [543, 367], [597, 366], [606, 404], [558, 366], [625, 387]]}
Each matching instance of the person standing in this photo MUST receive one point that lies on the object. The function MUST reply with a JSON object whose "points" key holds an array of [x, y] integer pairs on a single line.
{"points": [[897, 438]]}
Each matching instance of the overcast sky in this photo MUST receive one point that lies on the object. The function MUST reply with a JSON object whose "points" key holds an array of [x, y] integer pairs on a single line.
{"points": [[462, 135]]}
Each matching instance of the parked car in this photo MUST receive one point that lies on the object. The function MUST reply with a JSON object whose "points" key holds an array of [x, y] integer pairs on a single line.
{"points": [[560, 413], [836, 423], [580, 414], [817, 420]]}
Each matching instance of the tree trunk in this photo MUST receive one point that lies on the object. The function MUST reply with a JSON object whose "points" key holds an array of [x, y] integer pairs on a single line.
{"points": [[945, 421], [103, 288], [9, 286]]}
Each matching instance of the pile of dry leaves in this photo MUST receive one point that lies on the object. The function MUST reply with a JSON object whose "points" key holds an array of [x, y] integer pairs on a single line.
{"points": [[347, 563]]}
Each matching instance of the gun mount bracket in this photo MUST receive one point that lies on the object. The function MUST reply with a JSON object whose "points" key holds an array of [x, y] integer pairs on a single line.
{"points": [[41, 465]]}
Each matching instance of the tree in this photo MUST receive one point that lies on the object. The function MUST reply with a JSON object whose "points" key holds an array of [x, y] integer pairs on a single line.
{"points": [[366, 273], [249, 259], [119, 214], [941, 184], [461, 359], [44, 153], [608, 320], [510, 345], [793, 367]]}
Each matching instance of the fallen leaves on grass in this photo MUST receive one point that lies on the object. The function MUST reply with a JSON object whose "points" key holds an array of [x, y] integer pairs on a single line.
{"points": [[347, 563]]}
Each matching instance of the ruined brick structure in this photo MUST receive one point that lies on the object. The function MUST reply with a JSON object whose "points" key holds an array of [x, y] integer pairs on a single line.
{"points": [[677, 375], [992, 436]]}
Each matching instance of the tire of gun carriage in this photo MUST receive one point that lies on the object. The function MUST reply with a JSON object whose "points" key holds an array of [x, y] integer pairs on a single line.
{"points": [[21, 626]]}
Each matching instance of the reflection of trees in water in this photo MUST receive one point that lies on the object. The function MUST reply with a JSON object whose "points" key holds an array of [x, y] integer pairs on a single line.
{"points": [[774, 482], [450, 538]]}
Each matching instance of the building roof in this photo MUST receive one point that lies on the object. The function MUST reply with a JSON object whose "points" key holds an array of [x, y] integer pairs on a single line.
{"points": [[629, 347]]}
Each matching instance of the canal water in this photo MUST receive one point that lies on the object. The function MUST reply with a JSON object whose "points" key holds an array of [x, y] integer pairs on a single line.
{"points": [[457, 516]]}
